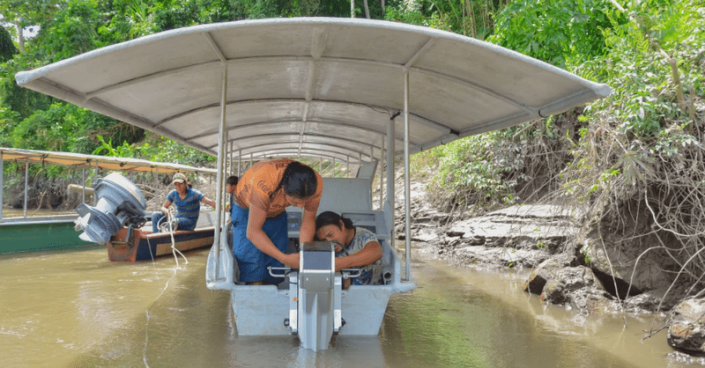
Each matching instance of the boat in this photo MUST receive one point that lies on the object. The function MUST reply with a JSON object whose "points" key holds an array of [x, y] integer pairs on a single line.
{"points": [[57, 232], [143, 244], [344, 90]]}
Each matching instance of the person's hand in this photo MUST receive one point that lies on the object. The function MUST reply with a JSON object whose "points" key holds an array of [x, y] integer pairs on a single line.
{"points": [[291, 260], [165, 211], [227, 207], [338, 246]]}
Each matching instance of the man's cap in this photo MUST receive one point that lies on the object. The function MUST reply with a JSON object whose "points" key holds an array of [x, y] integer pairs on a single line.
{"points": [[179, 178]]}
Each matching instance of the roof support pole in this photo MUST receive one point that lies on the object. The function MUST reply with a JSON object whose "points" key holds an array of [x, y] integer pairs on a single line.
{"points": [[372, 178], [226, 171], [390, 179], [26, 183], [407, 186], [83, 185], [2, 182], [251, 160], [230, 159], [381, 176], [219, 174], [359, 166], [320, 164], [156, 183], [95, 181], [347, 175], [239, 162]]}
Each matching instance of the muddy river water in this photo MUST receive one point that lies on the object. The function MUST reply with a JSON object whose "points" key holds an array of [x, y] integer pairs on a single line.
{"points": [[77, 309]]}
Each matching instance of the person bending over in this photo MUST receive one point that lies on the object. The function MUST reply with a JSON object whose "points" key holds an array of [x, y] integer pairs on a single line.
{"points": [[357, 247], [188, 207], [259, 218], [230, 185]]}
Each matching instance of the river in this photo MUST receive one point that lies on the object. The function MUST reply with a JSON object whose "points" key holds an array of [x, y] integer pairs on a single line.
{"points": [[77, 309]]}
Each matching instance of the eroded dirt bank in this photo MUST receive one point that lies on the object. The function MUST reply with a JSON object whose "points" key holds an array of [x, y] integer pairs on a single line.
{"points": [[570, 266]]}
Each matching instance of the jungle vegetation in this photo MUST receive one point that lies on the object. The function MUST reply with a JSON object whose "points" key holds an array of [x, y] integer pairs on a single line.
{"points": [[635, 157]]}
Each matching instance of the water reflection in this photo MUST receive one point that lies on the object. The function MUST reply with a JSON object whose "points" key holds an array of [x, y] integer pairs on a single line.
{"points": [[450, 323], [76, 309]]}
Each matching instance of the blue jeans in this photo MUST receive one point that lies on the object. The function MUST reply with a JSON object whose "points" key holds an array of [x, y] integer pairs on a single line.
{"points": [[183, 222], [251, 261]]}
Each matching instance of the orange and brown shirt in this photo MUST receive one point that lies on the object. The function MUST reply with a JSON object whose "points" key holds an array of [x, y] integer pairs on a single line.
{"points": [[258, 183]]}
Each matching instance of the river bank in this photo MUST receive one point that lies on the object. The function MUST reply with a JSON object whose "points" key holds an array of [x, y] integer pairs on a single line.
{"points": [[547, 243]]}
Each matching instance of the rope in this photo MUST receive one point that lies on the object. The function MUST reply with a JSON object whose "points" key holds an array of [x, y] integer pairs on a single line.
{"points": [[169, 217]]}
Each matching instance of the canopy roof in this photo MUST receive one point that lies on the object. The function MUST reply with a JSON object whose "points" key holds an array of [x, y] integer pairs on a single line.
{"points": [[320, 87], [77, 160]]}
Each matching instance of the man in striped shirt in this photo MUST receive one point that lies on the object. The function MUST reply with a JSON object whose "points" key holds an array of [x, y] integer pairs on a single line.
{"points": [[188, 206]]}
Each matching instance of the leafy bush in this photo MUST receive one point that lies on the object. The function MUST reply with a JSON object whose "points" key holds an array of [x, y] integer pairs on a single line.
{"points": [[556, 31], [66, 127]]}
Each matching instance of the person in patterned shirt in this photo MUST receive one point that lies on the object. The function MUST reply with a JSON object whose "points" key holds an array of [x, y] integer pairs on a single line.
{"points": [[259, 220], [188, 207], [355, 247]]}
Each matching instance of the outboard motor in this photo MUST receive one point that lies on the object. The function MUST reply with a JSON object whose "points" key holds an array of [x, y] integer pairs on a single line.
{"points": [[120, 202], [315, 313]]}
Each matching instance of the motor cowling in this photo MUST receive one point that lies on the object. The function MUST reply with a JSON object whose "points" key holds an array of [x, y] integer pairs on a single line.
{"points": [[120, 203], [315, 313]]}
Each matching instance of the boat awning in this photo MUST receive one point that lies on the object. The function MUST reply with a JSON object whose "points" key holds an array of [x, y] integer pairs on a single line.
{"points": [[77, 160], [319, 87]]}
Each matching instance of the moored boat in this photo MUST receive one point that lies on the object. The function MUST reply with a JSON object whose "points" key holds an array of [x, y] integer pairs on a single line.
{"points": [[38, 233], [146, 245], [29, 233]]}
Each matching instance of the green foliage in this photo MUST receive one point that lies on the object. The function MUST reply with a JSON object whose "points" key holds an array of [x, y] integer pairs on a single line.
{"points": [[7, 48], [72, 30], [20, 100], [637, 69], [586, 257], [153, 148], [27, 13], [467, 17], [478, 165], [66, 127], [556, 31], [165, 150]]}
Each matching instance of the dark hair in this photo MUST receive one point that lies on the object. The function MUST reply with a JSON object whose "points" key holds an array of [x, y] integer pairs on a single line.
{"points": [[232, 180], [332, 218], [298, 181]]}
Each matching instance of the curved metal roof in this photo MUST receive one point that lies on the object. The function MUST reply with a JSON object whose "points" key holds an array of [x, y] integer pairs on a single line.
{"points": [[312, 86]]}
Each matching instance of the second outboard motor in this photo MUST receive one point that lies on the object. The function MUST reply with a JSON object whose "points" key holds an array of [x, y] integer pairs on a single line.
{"points": [[315, 313], [120, 202]]}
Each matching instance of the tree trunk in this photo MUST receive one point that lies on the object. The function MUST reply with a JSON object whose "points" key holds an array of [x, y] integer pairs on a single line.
{"points": [[352, 8], [20, 36], [367, 9], [471, 15]]}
